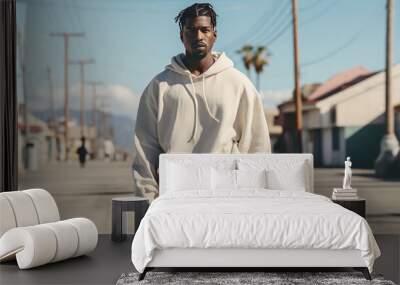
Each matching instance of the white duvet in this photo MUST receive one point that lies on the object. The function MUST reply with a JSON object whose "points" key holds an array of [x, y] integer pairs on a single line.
{"points": [[251, 218]]}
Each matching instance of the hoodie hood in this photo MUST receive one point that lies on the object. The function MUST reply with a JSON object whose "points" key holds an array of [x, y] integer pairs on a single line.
{"points": [[221, 63]]}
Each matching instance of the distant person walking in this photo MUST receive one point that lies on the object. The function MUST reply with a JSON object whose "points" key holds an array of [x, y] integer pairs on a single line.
{"points": [[82, 152]]}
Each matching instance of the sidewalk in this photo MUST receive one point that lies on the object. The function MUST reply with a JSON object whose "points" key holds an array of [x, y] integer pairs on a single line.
{"points": [[84, 192], [88, 192], [383, 196]]}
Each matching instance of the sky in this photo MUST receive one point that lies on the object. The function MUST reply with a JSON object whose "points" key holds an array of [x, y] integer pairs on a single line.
{"points": [[131, 41]]}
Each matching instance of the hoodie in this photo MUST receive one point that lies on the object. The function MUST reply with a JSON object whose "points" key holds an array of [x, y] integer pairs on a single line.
{"points": [[218, 111]]}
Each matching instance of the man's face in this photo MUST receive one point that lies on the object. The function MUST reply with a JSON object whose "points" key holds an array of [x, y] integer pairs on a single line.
{"points": [[198, 36]]}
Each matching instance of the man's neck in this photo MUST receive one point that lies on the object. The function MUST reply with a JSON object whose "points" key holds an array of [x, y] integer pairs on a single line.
{"points": [[198, 66]]}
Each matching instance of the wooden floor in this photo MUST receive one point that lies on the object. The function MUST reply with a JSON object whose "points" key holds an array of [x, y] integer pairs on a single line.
{"points": [[103, 266]]}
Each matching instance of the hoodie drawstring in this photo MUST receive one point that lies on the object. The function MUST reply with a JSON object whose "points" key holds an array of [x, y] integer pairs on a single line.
{"points": [[196, 106], [205, 100], [195, 109]]}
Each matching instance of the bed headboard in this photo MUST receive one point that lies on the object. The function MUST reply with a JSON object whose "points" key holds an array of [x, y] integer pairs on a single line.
{"points": [[224, 160]]}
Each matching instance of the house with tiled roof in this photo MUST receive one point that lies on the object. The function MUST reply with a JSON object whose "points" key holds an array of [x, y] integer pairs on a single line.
{"points": [[275, 130], [344, 116]]}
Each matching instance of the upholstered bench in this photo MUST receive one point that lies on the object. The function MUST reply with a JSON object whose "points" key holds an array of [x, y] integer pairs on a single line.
{"points": [[31, 231]]}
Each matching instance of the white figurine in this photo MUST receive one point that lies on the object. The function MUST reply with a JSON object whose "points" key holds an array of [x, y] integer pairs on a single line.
{"points": [[347, 174]]}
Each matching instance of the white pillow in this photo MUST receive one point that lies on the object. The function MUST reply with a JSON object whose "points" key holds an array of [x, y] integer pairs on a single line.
{"points": [[181, 177], [281, 175], [289, 179], [229, 179], [223, 179], [251, 178]]}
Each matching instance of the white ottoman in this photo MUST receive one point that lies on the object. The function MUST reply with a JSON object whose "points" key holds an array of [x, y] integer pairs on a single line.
{"points": [[31, 232]]}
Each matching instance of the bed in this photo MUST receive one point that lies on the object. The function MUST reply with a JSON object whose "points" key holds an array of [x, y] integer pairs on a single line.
{"points": [[246, 211]]}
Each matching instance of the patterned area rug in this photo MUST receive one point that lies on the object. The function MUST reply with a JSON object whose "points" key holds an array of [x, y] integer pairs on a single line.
{"points": [[242, 278]]}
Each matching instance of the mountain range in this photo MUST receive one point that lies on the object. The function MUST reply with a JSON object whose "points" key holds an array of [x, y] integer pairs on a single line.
{"points": [[123, 126]]}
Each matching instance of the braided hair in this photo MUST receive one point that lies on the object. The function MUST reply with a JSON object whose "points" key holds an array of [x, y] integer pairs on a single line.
{"points": [[197, 9]]}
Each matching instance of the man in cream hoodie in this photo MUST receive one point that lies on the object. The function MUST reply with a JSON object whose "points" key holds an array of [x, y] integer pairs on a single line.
{"points": [[199, 104]]}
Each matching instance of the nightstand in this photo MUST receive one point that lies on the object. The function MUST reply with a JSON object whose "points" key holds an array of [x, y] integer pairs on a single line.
{"points": [[139, 205], [356, 205]]}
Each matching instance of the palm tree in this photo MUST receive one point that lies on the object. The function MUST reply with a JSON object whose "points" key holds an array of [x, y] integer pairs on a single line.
{"points": [[260, 59], [247, 56]]}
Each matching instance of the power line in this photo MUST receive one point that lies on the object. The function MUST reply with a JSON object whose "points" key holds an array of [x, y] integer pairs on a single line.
{"points": [[78, 16], [269, 23], [255, 26], [260, 27], [283, 21], [270, 39], [56, 10], [343, 46], [321, 13], [275, 36], [74, 20], [49, 15], [338, 49], [105, 9], [279, 34], [332, 52], [310, 6]]}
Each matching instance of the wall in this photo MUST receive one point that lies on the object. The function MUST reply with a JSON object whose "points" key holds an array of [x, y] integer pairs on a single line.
{"points": [[363, 144], [366, 103], [326, 146]]}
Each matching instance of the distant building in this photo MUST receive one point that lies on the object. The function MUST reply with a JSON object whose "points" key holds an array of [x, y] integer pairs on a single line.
{"points": [[38, 147], [397, 119], [275, 130], [287, 141], [342, 117]]}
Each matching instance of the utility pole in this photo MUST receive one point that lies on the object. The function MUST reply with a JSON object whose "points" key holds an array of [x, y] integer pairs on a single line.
{"points": [[94, 101], [104, 104], [386, 162], [82, 63], [28, 140], [297, 87], [20, 46], [94, 113], [53, 122], [389, 58], [66, 37]]}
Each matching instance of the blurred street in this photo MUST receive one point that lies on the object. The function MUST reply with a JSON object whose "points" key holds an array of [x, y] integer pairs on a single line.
{"points": [[88, 191], [83, 192], [383, 196]]}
